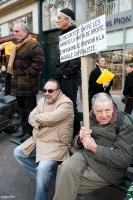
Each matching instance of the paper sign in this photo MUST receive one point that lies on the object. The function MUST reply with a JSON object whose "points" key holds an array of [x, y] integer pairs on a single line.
{"points": [[105, 77], [84, 40]]}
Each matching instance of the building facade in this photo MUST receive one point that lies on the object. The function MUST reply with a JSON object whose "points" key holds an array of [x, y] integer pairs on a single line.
{"points": [[12, 11], [119, 28]]}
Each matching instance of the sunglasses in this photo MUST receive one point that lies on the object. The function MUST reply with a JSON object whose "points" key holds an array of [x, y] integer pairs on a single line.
{"points": [[49, 90]]}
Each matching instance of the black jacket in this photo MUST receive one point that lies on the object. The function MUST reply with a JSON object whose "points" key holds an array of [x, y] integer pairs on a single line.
{"points": [[94, 87], [70, 68], [128, 87]]}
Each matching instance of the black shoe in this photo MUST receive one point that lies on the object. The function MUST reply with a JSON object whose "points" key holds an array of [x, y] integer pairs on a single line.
{"points": [[25, 137], [18, 134]]}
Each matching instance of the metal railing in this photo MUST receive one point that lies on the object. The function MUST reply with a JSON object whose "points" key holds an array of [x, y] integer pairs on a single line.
{"points": [[113, 7]]}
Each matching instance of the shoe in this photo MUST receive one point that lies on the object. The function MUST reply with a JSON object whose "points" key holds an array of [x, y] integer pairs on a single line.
{"points": [[18, 134], [25, 137]]}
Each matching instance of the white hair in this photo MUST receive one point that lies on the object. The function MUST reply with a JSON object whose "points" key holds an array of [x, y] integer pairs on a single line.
{"points": [[23, 26], [101, 97]]}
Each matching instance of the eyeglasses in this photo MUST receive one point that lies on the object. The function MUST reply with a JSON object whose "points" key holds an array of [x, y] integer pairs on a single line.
{"points": [[49, 90], [100, 112]]}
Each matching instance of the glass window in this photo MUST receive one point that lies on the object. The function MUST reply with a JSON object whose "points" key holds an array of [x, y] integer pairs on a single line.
{"points": [[27, 19], [110, 7], [91, 10], [125, 5], [117, 62], [105, 7], [50, 12]]}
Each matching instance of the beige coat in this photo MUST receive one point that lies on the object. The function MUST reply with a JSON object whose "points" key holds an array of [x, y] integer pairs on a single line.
{"points": [[52, 129]]}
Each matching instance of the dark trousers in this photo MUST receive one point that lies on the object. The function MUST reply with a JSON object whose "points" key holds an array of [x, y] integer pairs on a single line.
{"points": [[70, 88], [26, 104], [129, 105]]}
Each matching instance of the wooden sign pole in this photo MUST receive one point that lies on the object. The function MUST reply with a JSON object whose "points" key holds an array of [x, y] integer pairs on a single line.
{"points": [[86, 67]]}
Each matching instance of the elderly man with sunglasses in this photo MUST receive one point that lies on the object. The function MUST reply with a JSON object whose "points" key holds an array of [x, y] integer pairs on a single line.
{"points": [[52, 122]]}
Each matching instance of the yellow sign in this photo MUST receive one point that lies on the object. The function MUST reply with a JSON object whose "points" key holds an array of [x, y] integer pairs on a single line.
{"points": [[105, 77], [8, 47]]}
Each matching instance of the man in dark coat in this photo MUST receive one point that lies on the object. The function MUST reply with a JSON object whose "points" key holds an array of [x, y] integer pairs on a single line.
{"points": [[94, 87], [128, 89], [25, 63], [68, 72]]}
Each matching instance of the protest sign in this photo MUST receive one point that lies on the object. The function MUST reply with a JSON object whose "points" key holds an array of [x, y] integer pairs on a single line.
{"points": [[86, 39]]}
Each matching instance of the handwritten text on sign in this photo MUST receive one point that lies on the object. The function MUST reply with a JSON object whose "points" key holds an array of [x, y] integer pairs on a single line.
{"points": [[86, 39]]}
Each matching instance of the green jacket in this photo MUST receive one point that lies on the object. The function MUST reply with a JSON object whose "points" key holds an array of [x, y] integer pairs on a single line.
{"points": [[129, 195], [114, 153]]}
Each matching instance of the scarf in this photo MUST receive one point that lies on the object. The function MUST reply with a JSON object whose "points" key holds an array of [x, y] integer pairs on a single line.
{"points": [[13, 54]]}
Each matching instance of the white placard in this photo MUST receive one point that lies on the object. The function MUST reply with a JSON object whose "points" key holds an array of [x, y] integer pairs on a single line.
{"points": [[84, 40]]}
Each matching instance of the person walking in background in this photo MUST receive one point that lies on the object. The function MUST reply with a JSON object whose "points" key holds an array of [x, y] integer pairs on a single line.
{"points": [[68, 73], [25, 63], [101, 157], [94, 87], [52, 122], [128, 89]]}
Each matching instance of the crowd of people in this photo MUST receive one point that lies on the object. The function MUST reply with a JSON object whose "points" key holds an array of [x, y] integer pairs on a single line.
{"points": [[49, 125]]}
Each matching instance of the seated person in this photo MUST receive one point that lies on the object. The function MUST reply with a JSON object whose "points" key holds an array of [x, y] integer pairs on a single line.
{"points": [[101, 158], [52, 122]]}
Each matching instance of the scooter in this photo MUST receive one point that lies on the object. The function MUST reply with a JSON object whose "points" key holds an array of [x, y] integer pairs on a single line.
{"points": [[9, 114]]}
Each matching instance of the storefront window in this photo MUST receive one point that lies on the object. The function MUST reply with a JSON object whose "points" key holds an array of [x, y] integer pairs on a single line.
{"points": [[105, 7], [50, 10], [125, 5], [117, 62], [27, 19]]}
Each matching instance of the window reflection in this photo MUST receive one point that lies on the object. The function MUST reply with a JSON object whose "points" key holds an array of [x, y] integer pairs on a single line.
{"points": [[108, 7], [117, 62], [27, 19], [50, 11]]}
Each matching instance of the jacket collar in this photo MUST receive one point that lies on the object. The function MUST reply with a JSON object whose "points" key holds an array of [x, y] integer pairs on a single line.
{"points": [[68, 29]]}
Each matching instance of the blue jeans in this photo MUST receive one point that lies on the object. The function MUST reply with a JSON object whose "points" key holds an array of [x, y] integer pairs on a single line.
{"points": [[42, 171]]}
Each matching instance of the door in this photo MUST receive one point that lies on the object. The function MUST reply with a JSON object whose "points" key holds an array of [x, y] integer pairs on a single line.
{"points": [[50, 45]]}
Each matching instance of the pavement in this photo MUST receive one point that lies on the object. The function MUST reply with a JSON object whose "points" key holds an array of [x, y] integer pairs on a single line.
{"points": [[16, 185]]}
